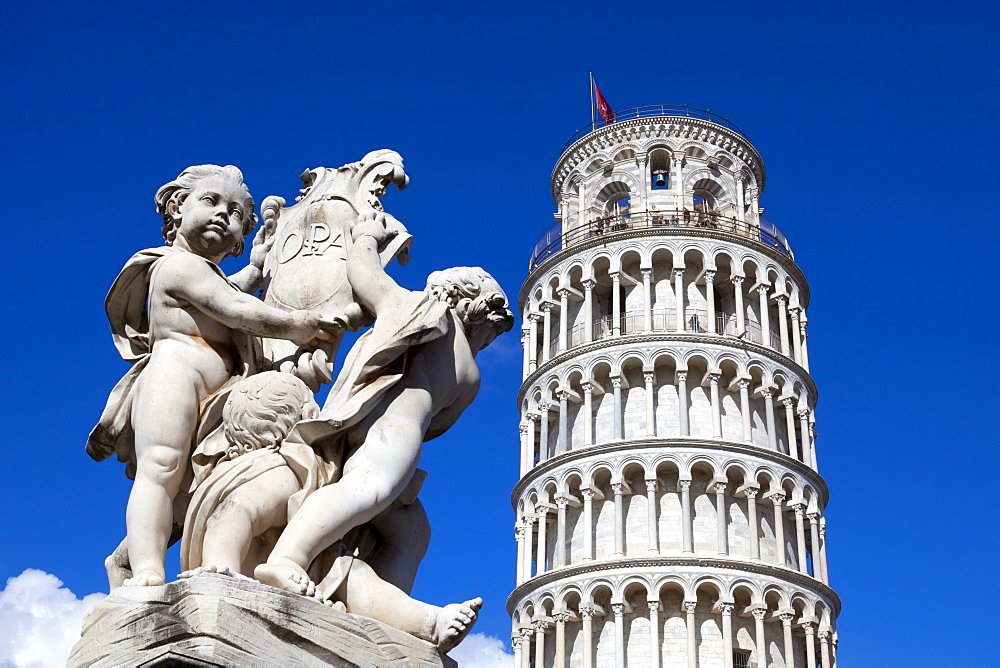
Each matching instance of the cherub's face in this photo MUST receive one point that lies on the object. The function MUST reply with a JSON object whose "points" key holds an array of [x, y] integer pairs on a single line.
{"points": [[212, 216]]}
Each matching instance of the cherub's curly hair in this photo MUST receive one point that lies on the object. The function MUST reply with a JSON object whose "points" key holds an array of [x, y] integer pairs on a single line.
{"points": [[262, 409], [178, 190], [475, 295]]}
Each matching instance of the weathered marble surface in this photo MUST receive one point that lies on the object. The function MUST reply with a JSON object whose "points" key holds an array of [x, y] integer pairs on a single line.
{"points": [[215, 620]]}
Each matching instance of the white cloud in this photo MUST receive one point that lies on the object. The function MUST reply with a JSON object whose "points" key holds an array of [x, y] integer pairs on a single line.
{"points": [[40, 620], [479, 650]]}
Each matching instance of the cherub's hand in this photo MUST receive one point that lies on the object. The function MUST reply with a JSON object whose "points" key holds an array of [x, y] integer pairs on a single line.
{"points": [[262, 243], [309, 328], [374, 225]]}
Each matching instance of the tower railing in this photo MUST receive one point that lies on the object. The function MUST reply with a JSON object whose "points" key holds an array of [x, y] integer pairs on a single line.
{"points": [[653, 111], [611, 225]]}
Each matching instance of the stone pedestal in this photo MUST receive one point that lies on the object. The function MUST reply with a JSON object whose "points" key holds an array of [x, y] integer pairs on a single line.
{"points": [[215, 620]]}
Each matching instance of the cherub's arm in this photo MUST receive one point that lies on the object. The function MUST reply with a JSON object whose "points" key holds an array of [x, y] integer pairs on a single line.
{"points": [[374, 288], [188, 278]]}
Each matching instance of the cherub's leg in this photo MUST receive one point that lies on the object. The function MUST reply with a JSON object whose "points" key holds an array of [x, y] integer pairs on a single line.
{"points": [[164, 419], [405, 534], [364, 593], [249, 511], [374, 475]]}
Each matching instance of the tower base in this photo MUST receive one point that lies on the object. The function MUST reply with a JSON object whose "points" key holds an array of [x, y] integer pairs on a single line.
{"points": [[215, 620]]}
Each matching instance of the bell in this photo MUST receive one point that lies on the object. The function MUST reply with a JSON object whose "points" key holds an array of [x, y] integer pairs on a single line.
{"points": [[660, 181]]}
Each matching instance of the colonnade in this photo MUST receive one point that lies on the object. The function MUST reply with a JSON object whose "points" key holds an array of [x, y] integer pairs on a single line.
{"points": [[531, 530], [537, 331], [529, 640], [535, 426]]}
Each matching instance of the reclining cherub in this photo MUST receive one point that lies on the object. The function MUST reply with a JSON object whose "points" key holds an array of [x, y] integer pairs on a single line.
{"points": [[183, 324], [407, 380], [236, 511]]}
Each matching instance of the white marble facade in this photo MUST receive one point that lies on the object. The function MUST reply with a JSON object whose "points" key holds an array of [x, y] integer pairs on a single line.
{"points": [[670, 511]]}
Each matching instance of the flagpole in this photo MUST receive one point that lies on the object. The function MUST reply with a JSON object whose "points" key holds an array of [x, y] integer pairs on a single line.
{"points": [[593, 118]]}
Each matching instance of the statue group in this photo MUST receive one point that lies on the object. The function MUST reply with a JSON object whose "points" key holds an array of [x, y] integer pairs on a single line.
{"points": [[217, 420]]}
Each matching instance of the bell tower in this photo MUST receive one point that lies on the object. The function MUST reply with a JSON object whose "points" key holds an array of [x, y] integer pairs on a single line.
{"points": [[670, 510]]}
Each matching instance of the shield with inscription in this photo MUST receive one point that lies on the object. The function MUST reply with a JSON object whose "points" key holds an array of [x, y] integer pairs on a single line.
{"points": [[307, 266]]}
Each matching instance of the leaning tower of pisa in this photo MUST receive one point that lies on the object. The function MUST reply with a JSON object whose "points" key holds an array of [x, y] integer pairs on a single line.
{"points": [[670, 511]]}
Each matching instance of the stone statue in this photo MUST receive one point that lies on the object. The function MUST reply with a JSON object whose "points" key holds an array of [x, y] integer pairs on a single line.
{"points": [[186, 346], [216, 420]]}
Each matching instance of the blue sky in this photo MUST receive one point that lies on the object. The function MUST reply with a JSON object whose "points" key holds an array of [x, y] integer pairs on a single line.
{"points": [[877, 123]]}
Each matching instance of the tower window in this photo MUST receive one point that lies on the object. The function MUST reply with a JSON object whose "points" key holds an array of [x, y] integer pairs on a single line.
{"points": [[741, 658]]}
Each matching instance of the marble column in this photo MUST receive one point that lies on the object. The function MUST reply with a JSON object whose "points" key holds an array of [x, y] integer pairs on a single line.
{"points": [[682, 402], [525, 448], [587, 631], [751, 494], [588, 523], [563, 319], [529, 533], [533, 422], [687, 521], [793, 449], [616, 304], [543, 437], [822, 550], [741, 206], [710, 300], [800, 536], [744, 386], [788, 654], [782, 301], [678, 184], [588, 310], [546, 331], [722, 529], [515, 643], [726, 610], [526, 634], [651, 521], [619, 490], [713, 379], [588, 412], [765, 317], [810, 630], [817, 562], [772, 432], [619, 612], [806, 442], [560, 557], [562, 438], [692, 640], [642, 162], [542, 548], [560, 659], [760, 639], [616, 384], [796, 334], [654, 633], [679, 298], [824, 648], [647, 300], [650, 379], [532, 341], [519, 537], [779, 528], [526, 352], [804, 321], [541, 626], [741, 311]]}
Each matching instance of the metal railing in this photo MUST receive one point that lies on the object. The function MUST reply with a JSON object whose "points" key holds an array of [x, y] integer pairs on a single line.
{"points": [[554, 241], [654, 111]]}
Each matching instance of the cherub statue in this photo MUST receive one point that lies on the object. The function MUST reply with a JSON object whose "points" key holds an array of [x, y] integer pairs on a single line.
{"points": [[406, 380], [184, 325], [246, 499]]}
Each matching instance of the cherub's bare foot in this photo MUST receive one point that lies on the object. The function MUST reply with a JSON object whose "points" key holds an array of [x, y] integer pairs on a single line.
{"points": [[454, 623], [221, 570], [287, 575], [145, 579]]}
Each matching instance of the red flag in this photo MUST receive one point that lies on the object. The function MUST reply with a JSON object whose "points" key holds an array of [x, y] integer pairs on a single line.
{"points": [[603, 108]]}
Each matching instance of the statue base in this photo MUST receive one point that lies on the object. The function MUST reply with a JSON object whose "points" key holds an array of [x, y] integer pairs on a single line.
{"points": [[215, 620]]}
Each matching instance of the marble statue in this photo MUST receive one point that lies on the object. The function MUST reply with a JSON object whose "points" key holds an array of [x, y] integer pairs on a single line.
{"points": [[216, 420]]}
